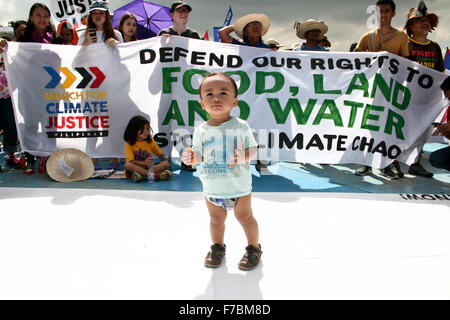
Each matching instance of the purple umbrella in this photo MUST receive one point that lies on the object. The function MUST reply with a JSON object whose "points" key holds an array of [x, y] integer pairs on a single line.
{"points": [[151, 17]]}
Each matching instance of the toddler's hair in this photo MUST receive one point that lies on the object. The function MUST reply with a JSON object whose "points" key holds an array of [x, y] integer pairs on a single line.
{"points": [[219, 74], [134, 127]]}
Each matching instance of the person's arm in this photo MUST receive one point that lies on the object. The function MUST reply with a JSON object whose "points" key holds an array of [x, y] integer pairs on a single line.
{"points": [[444, 129], [224, 34]]}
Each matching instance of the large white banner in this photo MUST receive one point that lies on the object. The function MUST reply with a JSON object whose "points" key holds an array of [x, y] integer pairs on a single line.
{"points": [[367, 108]]}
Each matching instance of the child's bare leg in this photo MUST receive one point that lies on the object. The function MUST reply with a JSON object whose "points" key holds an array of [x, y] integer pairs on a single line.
{"points": [[129, 166], [244, 214], [161, 166], [217, 223]]}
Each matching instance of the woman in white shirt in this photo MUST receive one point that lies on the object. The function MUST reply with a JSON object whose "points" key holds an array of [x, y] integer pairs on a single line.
{"points": [[100, 20]]}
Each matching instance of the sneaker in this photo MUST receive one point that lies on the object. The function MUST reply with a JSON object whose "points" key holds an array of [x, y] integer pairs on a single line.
{"points": [[163, 175], [363, 171], [184, 166], [29, 169], [417, 170], [389, 173], [136, 177], [260, 166], [215, 256], [397, 169], [251, 258]]}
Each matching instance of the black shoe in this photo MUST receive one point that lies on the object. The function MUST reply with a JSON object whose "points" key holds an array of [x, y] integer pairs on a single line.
{"points": [[397, 169], [417, 170], [187, 168], [251, 258], [389, 173], [363, 171], [260, 166], [215, 256]]}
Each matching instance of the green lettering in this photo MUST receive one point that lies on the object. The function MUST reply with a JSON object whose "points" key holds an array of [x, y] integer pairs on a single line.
{"points": [[187, 80], [244, 84], [244, 109], [394, 120], [318, 86], [353, 112], [195, 107], [406, 96], [173, 114], [281, 114], [363, 86], [167, 79], [368, 116], [379, 82], [333, 115], [260, 86]]}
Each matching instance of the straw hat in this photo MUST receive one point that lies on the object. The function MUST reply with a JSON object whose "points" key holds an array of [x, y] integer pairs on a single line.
{"points": [[308, 25], [242, 22], [68, 165]]}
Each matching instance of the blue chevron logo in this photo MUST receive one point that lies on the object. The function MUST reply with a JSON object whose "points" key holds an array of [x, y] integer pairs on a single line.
{"points": [[55, 78]]}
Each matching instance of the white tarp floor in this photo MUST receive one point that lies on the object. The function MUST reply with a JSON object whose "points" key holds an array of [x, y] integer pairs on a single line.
{"points": [[131, 244]]}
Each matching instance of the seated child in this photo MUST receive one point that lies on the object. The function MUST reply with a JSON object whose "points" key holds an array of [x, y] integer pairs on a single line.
{"points": [[139, 147], [225, 145]]}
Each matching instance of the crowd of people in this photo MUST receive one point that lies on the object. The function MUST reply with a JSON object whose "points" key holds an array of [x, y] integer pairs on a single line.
{"points": [[226, 186], [412, 43]]}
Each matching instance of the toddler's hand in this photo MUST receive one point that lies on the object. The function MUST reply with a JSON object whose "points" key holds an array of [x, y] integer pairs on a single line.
{"points": [[188, 157], [238, 157]]}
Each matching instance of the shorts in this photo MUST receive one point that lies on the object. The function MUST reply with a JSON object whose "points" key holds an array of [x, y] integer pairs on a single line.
{"points": [[227, 204]]}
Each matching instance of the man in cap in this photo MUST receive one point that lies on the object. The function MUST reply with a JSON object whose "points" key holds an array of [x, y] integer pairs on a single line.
{"points": [[384, 38], [179, 12], [312, 31]]}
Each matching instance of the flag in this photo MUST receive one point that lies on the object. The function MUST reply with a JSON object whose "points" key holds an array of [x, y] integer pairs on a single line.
{"points": [[206, 37], [228, 17], [216, 33], [447, 61]]}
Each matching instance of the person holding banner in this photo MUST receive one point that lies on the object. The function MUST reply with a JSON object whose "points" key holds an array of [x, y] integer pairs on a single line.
{"points": [[128, 27], [385, 38], [312, 31], [423, 51], [441, 158], [100, 20], [250, 29], [179, 12], [39, 30], [225, 146]]}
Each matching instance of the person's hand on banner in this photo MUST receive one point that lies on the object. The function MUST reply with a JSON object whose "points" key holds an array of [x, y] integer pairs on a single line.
{"points": [[111, 42], [3, 45]]}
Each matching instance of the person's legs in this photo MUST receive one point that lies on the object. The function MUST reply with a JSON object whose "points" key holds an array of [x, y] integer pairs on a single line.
{"points": [[244, 214], [441, 158], [217, 216]]}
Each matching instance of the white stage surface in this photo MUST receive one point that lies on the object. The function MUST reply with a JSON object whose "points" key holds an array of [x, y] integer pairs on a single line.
{"points": [[118, 244]]}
